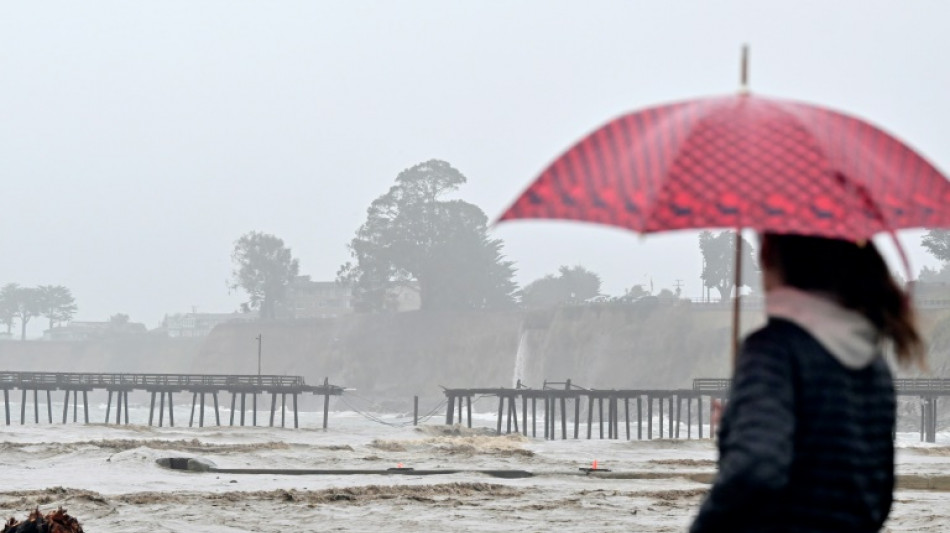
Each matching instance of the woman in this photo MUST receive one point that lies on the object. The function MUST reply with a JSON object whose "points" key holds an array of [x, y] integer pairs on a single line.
{"points": [[806, 439]]}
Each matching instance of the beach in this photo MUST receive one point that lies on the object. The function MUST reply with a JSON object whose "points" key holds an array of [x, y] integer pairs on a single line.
{"points": [[107, 476]]}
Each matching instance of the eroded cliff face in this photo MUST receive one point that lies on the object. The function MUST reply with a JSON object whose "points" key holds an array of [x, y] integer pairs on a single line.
{"points": [[138, 353], [400, 355], [397, 356], [662, 345], [385, 355]]}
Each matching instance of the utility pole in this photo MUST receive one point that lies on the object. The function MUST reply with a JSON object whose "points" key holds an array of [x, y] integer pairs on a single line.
{"points": [[679, 287], [704, 290], [259, 340]]}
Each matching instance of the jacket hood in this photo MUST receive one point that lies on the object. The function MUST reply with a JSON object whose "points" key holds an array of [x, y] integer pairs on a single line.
{"points": [[850, 337]]}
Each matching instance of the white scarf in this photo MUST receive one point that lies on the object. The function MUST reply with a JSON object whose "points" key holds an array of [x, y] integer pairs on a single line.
{"points": [[850, 337]]}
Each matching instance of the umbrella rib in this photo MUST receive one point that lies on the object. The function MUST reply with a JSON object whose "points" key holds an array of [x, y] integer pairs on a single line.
{"points": [[859, 189], [690, 130]]}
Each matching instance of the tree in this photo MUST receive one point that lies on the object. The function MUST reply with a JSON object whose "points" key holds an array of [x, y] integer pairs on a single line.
{"points": [[666, 294], [937, 242], [56, 304], [8, 305], [415, 239], [264, 268], [633, 294], [26, 305], [719, 257], [572, 285], [119, 320]]}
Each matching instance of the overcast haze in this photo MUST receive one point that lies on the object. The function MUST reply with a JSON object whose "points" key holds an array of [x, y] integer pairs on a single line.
{"points": [[139, 140]]}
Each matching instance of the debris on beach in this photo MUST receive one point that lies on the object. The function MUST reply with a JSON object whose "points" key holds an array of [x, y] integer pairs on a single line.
{"points": [[456, 430], [57, 521], [505, 445]]}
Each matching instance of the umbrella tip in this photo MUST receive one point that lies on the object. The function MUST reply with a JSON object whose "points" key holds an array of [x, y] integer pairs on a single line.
{"points": [[744, 70]]}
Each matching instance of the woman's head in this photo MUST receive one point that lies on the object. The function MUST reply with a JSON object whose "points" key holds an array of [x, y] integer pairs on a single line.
{"points": [[854, 274]]}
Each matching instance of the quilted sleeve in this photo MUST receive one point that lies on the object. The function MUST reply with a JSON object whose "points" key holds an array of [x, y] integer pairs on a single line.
{"points": [[756, 442]]}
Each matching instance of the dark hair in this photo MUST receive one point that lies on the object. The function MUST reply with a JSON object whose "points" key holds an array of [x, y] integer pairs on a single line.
{"points": [[856, 275]]}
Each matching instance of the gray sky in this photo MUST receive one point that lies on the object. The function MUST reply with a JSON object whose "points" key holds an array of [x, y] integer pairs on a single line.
{"points": [[139, 140]]}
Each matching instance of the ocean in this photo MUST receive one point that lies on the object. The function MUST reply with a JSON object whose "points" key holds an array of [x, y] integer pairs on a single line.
{"points": [[107, 477]]}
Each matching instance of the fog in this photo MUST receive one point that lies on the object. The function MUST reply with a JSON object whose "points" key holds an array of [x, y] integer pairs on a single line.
{"points": [[139, 140]]}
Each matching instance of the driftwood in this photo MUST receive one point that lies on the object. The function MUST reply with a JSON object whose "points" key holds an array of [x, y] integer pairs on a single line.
{"points": [[52, 522]]}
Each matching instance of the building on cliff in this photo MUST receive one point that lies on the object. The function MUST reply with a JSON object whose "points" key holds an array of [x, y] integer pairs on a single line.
{"points": [[187, 325], [328, 299], [316, 299]]}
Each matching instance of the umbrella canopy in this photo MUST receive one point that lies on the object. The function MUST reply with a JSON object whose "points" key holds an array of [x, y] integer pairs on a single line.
{"points": [[741, 161]]}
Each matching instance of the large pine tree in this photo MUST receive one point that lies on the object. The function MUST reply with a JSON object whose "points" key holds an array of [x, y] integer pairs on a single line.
{"points": [[417, 239]]}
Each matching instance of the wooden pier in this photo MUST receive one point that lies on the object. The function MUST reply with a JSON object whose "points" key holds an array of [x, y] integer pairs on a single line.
{"points": [[163, 387], [567, 408], [927, 390], [613, 411]]}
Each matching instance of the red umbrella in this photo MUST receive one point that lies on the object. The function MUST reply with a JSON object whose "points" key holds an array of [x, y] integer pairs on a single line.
{"points": [[741, 161]]}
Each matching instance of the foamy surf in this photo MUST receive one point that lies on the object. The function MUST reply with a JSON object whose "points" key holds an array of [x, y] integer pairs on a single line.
{"points": [[107, 476]]}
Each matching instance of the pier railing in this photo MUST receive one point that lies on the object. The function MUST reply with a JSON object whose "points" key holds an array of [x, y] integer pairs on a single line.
{"points": [[103, 380]]}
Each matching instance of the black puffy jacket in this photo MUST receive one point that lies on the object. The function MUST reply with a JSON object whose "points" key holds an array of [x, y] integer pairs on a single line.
{"points": [[805, 443]]}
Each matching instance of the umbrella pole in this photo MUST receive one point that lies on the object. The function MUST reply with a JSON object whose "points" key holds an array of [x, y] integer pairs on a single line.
{"points": [[744, 71], [735, 301], [743, 89]]}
